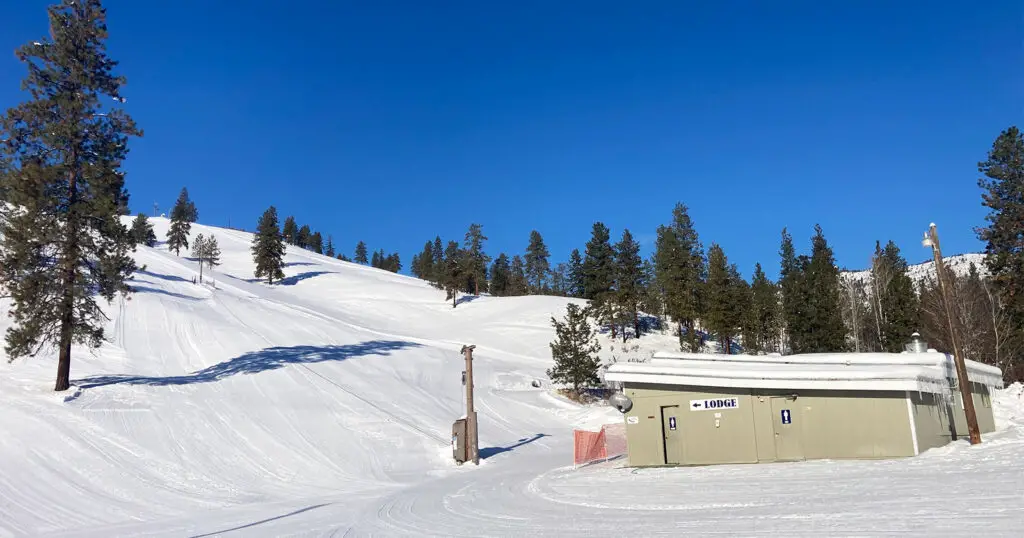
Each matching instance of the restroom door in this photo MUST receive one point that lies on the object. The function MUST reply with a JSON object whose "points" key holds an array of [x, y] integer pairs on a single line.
{"points": [[787, 430], [671, 434]]}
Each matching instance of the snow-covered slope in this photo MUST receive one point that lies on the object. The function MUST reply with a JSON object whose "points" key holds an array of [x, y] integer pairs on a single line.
{"points": [[960, 264], [324, 405]]}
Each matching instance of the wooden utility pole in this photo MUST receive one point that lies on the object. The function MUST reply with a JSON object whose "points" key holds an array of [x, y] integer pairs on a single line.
{"points": [[932, 239], [473, 449]]}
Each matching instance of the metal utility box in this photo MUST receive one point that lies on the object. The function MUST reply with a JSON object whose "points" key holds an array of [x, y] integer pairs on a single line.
{"points": [[459, 446]]}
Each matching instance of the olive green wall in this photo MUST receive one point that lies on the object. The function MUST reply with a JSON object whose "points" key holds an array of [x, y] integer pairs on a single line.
{"points": [[824, 424], [931, 419], [982, 408]]}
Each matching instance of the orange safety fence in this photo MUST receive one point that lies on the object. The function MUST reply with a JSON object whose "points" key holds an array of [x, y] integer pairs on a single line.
{"points": [[590, 446]]}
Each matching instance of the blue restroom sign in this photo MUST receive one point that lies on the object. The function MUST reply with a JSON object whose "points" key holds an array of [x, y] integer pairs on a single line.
{"points": [[787, 418], [671, 423], [716, 404]]}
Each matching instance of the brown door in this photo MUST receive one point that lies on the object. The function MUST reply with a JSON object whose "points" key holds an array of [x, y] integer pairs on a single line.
{"points": [[672, 435], [787, 430]]}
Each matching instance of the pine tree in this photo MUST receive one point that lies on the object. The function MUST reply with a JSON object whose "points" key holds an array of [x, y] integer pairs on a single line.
{"points": [[726, 298], [517, 283], [290, 231], [894, 300], [537, 265], [423, 263], [181, 223], [475, 259], [575, 274], [762, 324], [376, 259], [826, 330], [651, 301], [393, 262], [560, 280], [316, 243], [438, 264], [1003, 183], [62, 244], [329, 249], [599, 275], [142, 231], [344, 258], [212, 253], [268, 247], [680, 270], [794, 300], [629, 280], [501, 275], [361, 253], [453, 266], [575, 351], [199, 253], [303, 238]]}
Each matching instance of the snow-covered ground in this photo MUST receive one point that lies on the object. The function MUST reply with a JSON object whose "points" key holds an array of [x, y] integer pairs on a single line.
{"points": [[960, 264], [323, 406]]}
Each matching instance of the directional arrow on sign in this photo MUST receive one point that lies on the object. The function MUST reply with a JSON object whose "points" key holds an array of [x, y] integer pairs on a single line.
{"points": [[696, 405]]}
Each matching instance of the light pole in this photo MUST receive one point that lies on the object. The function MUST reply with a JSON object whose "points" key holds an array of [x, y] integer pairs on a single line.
{"points": [[931, 239], [471, 434]]}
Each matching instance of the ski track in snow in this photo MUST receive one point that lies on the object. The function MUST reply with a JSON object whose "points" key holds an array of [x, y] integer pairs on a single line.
{"points": [[322, 406]]}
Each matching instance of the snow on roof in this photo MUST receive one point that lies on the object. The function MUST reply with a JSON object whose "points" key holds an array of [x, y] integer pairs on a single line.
{"points": [[919, 372]]}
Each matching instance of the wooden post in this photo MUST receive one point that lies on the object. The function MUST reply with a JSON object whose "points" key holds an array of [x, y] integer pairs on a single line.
{"points": [[473, 451], [932, 239]]}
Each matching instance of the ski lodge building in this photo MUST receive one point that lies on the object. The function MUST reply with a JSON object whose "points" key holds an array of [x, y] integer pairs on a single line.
{"points": [[698, 409]]}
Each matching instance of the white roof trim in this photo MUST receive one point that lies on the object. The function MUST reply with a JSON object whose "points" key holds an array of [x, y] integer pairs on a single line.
{"points": [[919, 372]]}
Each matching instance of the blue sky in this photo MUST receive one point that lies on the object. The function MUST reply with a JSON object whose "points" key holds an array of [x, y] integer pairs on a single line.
{"points": [[391, 122]]}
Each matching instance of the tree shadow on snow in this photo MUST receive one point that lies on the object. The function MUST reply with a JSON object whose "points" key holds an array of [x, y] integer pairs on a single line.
{"points": [[255, 362], [292, 280], [146, 289], [495, 450], [170, 278], [466, 299], [295, 264]]}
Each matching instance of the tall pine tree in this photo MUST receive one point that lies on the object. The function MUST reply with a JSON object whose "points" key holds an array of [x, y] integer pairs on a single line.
{"points": [[475, 260], [629, 281], [304, 236], [501, 275], [290, 231], [268, 247], [316, 243], [726, 299], [453, 278], [361, 253], [1003, 183], [894, 301], [762, 324], [794, 300], [599, 275], [62, 244], [575, 274], [537, 266], [181, 223], [517, 283], [826, 331], [680, 270], [423, 263], [329, 249]]}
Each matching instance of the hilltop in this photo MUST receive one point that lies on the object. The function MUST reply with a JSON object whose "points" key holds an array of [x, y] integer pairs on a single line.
{"points": [[324, 404]]}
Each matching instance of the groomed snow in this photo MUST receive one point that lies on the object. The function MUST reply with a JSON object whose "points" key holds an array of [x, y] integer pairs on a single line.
{"points": [[323, 406]]}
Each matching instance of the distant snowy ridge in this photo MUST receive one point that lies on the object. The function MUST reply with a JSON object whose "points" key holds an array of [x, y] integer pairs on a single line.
{"points": [[960, 264]]}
